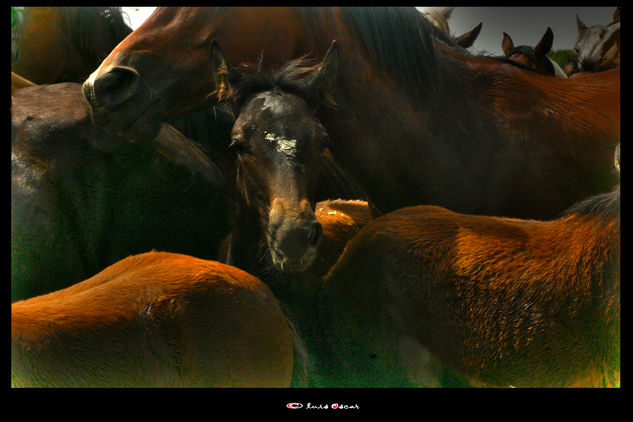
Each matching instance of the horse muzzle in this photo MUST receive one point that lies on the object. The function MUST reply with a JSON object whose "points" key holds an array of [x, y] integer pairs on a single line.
{"points": [[122, 104], [293, 238]]}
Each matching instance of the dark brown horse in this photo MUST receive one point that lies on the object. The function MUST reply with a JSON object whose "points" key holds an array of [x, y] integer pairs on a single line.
{"points": [[415, 122], [533, 57], [503, 302], [280, 144], [154, 320], [64, 44], [280, 147], [82, 198]]}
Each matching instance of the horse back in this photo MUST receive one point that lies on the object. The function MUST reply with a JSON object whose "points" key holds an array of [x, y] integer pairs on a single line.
{"points": [[154, 319], [503, 301]]}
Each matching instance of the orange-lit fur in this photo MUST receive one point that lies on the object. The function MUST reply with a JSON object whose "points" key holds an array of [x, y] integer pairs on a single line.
{"points": [[154, 320], [504, 302]]}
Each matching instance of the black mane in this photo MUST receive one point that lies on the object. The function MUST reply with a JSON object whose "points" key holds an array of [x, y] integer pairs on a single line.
{"points": [[399, 39]]}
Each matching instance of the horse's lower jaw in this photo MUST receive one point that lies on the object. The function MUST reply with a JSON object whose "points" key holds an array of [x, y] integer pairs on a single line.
{"points": [[138, 118], [286, 265], [145, 126]]}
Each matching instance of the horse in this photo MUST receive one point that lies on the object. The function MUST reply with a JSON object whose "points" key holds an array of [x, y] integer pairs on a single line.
{"points": [[416, 121], [598, 47], [280, 144], [440, 18], [533, 57], [154, 320], [82, 198], [64, 44], [502, 302]]}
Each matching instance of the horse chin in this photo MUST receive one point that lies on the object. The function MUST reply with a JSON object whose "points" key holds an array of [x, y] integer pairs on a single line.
{"points": [[287, 265]]}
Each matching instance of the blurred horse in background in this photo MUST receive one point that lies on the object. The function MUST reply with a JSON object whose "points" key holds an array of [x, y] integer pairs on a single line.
{"points": [[598, 47], [64, 44], [440, 18], [533, 57]]}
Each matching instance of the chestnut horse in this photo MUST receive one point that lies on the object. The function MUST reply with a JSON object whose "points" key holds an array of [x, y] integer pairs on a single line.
{"points": [[533, 57], [154, 320], [503, 302], [82, 198], [416, 121], [598, 47], [64, 44]]}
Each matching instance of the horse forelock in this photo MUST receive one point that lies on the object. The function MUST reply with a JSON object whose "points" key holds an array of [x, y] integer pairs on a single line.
{"points": [[248, 80]]}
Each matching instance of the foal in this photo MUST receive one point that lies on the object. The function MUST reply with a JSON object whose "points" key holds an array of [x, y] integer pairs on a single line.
{"points": [[503, 302], [153, 320], [280, 146]]}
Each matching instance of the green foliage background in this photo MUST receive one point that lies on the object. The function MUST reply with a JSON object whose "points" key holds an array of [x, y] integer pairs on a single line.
{"points": [[561, 56]]}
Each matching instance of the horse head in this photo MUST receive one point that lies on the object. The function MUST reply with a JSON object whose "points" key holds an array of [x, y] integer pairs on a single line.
{"points": [[598, 46], [534, 58], [279, 143]]}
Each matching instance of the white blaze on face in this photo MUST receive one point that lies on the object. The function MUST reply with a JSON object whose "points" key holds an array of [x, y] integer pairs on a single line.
{"points": [[283, 145]]}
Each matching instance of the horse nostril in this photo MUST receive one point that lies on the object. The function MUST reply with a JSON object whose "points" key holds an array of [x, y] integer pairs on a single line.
{"points": [[116, 86], [315, 233]]}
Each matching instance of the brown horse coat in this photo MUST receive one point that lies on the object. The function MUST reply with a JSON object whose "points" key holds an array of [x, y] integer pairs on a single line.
{"points": [[153, 320], [501, 301]]}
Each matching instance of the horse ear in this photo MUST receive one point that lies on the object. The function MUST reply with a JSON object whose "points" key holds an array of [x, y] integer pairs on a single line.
{"points": [[219, 70], [467, 39], [323, 77], [446, 12], [616, 14], [506, 44], [545, 45], [581, 26]]}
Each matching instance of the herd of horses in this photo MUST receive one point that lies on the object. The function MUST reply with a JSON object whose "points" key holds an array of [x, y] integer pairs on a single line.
{"points": [[311, 197]]}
